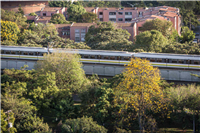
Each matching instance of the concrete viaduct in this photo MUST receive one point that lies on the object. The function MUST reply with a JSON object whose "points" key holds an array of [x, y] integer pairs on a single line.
{"points": [[108, 70]]}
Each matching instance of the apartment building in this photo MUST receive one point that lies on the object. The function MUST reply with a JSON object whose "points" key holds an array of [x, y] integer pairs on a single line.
{"points": [[74, 31], [49, 11], [77, 31]]}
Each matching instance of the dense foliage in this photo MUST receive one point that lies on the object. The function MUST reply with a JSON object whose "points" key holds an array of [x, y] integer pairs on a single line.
{"points": [[163, 26], [9, 31], [83, 125], [151, 41], [16, 17], [75, 12], [105, 36], [58, 19], [68, 72]]}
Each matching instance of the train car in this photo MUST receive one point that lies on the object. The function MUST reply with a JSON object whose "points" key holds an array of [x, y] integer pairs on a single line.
{"points": [[105, 56]]}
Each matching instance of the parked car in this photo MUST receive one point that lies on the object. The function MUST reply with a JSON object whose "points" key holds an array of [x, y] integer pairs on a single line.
{"points": [[197, 34]]}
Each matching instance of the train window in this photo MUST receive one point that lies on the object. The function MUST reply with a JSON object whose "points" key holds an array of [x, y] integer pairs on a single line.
{"points": [[25, 53], [196, 62], [112, 57], [106, 57], [98, 56], [181, 61], [118, 57], [126, 58], [159, 60], [36, 53], [12, 52], [188, 61], [86, 56], [92, 56], [174, 61], [152, 60], [7, 52], [30, 53], [165, 60]]}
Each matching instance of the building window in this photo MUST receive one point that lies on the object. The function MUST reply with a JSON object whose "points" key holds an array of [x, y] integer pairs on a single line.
{"points": [[66, 33], [44, 14], [77, 35], [51, 14], [82, 31], [77, 39], [82, 36], [140, 14], [112, 13], [101, 19], [112, 19], [76, 30], [128, 19], [120, 13], [100, 13], [128, 13], [120, 19]]}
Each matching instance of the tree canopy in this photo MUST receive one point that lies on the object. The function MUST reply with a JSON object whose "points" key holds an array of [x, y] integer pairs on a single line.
{"points": [[106, 36], [140, 89], [9, 31], [75, 12], [59, 3], [89, 17], [150, 41], [163, 26], [16, 17], [83, 125], [59, 19], [187, 35], [68, 72]]}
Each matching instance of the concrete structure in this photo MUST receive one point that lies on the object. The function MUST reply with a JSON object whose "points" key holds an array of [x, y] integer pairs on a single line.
{"points": [[77, 31], [111, 70]]}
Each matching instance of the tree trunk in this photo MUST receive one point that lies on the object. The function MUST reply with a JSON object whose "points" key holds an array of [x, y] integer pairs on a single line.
{"points": [[193, 122], [190, 24], [140, 123]]}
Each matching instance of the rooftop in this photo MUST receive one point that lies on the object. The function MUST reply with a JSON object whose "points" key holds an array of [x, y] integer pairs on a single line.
{"points": [[51, 9]]}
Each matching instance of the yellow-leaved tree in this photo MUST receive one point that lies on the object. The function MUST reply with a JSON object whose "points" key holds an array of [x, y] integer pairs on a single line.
{"points": [[140, 90], [9, 31]]}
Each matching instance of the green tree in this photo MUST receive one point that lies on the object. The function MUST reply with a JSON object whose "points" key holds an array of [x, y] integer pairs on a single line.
{"points": [[52, 103], [30, 38], [9, 31], [59, 3], [189, 18], [140, 90], [33, 14], [75, 12], [68, 72], [89, 17], [20, 11], [150, 41], [164, 26], [59, 19], [187, 35], [4, 123], [105, 36], [12, 99], [182, 48], [185, 99], [82, 125], [18, 18]]}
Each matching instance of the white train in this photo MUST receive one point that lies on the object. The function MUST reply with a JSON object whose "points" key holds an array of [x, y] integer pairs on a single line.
{"points": [[108, 57]]}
